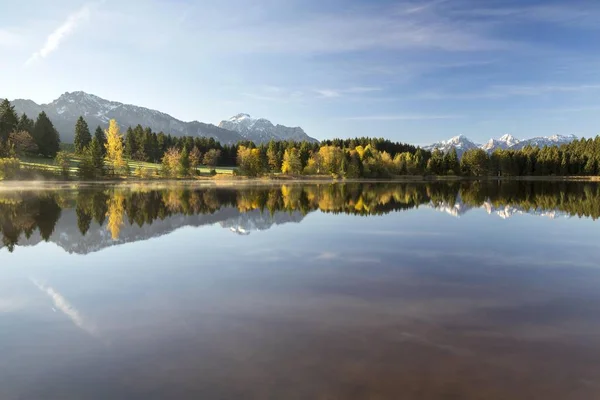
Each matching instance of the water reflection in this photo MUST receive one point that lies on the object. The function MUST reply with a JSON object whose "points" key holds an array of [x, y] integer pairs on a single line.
{"points": [[323, 303], [106, 216]]}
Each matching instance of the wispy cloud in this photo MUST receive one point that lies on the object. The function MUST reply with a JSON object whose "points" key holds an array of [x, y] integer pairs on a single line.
{"points": [[358, 29], [54, 40], [8, 38], [330, 93], [502, 91], [402, 117]]}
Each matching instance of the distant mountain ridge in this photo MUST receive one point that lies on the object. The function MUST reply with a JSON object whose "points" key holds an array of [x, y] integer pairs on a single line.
{"points": [[262, 130], [461, 143], [65, 111]]}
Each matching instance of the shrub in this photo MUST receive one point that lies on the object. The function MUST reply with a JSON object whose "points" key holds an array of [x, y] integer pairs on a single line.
{"points": [[9, 168]]}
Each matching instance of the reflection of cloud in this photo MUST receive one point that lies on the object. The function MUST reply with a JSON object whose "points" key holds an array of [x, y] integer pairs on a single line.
{"points": [[10, 304], [349, 258], [61, 304], [326, 255]]}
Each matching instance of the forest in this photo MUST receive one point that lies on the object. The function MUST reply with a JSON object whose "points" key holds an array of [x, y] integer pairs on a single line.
{"points": [[142, 153]]}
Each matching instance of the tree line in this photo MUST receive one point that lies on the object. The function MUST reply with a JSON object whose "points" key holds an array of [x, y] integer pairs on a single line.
{"points": [[107, 153]]}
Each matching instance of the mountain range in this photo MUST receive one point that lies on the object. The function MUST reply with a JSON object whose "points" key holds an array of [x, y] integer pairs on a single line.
{"points": [[262, 130], [461, 143], [97, 111]]}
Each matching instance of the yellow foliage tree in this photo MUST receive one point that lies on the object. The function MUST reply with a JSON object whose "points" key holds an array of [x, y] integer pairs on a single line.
{"points": [[115, 213], [114, 147], [291, 162]]}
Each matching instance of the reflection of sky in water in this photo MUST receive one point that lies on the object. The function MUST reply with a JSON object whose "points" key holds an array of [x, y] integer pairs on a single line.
{"points": [[409, 303]]}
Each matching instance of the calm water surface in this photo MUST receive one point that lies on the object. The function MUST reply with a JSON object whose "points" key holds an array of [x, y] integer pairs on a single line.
{"points": [[331, 291]]}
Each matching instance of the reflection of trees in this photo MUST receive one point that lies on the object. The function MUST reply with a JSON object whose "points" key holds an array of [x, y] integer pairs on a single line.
{"points": [[115, 214], [22, 213]]}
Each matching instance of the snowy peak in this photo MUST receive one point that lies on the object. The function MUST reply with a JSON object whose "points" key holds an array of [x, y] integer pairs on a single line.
{"points": [[510, 140], [262, 130], [504, 142], [461, 143]]}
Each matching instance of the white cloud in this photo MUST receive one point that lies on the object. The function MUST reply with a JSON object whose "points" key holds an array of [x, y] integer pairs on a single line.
{"points": [[54, 40], [329, 93]]}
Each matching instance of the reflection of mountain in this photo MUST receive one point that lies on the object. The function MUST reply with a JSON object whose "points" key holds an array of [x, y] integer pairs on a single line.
{"points": [[504, 211], [256, 220], [67, 235]]}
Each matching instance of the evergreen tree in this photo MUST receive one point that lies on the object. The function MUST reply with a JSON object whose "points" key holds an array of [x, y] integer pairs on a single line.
{"points": [[184, 162], [101, 137], [452, 163], [46, 136], [97, 157], [25, 124], [83, 136], [130, 143], [8, 119], [272, 157]]}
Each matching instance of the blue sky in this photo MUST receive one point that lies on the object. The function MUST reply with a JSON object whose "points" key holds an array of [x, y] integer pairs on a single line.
{"points": [[410, 71]]}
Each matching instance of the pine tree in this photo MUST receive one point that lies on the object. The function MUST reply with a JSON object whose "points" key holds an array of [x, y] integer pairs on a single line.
{"points": [[184, 162], [97, 157], [130, 145], [8, 119], [101, 137], [25, 124], [46, 136], [272, 158], [452, 163], [83, 136], [114, 147]]}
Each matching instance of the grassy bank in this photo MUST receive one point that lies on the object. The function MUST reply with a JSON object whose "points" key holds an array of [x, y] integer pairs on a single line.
{"points": [[46, 168]]}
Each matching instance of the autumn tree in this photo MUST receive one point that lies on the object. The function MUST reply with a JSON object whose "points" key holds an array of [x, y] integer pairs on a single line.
{"points": [[171, 163], [211, 158], [291, 162], [62, 160], [114, 147], [23, 143], [248, 160], [195, 158]]}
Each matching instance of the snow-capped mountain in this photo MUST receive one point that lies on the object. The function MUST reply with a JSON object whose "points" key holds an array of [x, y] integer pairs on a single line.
{"points": [[543, 141], [461, 143], [504, 142], [97, 111], [261, 130]]}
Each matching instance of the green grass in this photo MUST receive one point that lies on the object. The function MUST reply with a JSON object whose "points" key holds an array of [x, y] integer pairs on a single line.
{"points": [[49, 165]]}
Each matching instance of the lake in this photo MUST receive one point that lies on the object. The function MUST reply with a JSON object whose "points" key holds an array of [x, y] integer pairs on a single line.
{"points": [[440, 290]]}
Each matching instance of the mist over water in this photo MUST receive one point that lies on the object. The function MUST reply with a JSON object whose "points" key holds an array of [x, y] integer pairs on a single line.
{"points": [[433, 290]]}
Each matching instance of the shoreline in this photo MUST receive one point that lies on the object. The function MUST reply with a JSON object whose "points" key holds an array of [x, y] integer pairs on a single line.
{"points": [[233, 181]]}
